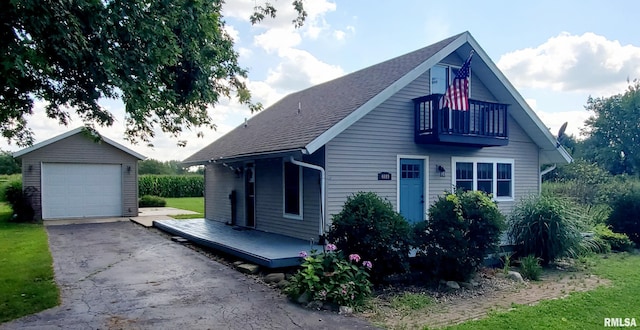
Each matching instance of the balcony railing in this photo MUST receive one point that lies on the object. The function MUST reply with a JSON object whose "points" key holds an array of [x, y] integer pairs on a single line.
{"points": [[485, 124]]}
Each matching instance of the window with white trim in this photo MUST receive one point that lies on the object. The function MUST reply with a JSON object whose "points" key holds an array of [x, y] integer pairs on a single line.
{"points": [[491, 175], [292, 192]]}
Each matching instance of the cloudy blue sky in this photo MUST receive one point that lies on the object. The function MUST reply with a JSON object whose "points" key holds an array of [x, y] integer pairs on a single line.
{"points": [[556, 53]]}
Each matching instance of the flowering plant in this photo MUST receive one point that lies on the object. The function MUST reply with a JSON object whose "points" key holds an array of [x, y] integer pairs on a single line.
{"points": [[329, 276]]}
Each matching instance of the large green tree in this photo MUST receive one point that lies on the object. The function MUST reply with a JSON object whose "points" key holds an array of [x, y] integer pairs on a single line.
{"points": [[168, 60], [613, 132], [8, 164]]}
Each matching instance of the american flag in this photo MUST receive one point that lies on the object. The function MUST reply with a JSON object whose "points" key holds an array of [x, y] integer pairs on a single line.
{"points": [[457, 95]]}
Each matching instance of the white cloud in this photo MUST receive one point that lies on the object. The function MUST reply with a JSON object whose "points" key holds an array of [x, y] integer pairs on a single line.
{"points": [[233, 33], [339, 35], [299, 69], [587, 63], [575, 120], [277, 38]]}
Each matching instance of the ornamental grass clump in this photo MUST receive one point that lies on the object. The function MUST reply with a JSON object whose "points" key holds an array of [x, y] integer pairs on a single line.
{"points": [[546, 227], [331, 277]]}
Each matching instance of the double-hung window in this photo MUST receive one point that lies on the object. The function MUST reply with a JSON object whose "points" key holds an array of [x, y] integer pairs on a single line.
{"points": [[491, 175], [292, 194]]}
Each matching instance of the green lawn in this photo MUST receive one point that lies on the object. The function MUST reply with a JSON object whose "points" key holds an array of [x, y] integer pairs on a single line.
{"points": [[583, 310], [195, 204], [26, 272]]}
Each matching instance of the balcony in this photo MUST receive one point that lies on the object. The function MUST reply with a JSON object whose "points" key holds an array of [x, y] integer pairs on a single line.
{"points": [[484, 125]]}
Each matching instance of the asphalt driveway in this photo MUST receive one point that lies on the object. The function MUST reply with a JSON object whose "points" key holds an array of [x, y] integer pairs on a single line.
{"points": [[123, 276]]}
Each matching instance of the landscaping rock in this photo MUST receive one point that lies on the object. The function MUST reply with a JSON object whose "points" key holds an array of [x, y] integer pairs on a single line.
{"points": [[453, 285], [466, 285], [237, 263], [282, 284], [474, 283], [304, 298], [345, 310], [248, 268], [274, 278], [515, 276], [316, 304]]}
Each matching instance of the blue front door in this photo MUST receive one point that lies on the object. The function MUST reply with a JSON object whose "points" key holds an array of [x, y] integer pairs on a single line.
{"points": [[412, 189]]}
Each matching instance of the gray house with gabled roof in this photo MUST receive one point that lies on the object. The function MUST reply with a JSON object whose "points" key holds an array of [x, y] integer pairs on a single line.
{"points": [[289, 168]]}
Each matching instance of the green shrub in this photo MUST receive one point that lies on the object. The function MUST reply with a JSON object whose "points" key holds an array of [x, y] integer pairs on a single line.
{"points": [[617, 241], [22, 210], [530, 268], [625, 213], [171, 185], [463, 228], [151, 201], [4, 181], [368, 226], [547, 227], [331, 277]]}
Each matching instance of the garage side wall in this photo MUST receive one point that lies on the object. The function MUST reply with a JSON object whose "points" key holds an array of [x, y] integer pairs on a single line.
{"points": [[78, 149]]}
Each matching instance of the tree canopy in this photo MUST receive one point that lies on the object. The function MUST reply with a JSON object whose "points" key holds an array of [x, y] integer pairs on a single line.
{"points": [[168, 60], [8, 164], [613, 132]]}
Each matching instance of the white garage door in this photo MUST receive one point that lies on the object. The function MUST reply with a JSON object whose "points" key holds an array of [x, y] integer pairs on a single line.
{"points": [[81, 190]]}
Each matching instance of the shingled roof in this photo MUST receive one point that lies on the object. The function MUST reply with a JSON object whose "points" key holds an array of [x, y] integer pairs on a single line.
{"points": [[308, 119], [282, 128]]}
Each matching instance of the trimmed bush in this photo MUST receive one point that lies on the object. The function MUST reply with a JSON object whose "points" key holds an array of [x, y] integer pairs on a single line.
{"points": [[22, 210], [625, 213], [171, 185], [368, 226], [547, 227], [617, 241], [463, 228], [151, 201]]}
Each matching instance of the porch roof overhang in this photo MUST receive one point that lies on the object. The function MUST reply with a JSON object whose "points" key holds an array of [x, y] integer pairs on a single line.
{"points": [[251, 156]]}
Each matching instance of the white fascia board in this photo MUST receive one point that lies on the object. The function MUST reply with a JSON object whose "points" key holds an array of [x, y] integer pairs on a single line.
{"points": [[375, 101], [549, 143], [46, 142], [71, 133]]}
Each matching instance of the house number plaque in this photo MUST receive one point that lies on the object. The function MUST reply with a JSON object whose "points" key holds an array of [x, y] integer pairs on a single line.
{"points": [[384, 176]]}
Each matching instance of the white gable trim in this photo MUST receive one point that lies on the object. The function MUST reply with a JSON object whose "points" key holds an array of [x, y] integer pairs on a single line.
{"points": [[375, 101], [71, 133], [549, 144]]}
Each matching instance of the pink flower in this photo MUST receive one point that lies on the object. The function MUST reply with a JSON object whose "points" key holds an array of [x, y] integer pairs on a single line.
{"points": [[331, 247], [303, 254], [367, 264], [354, 257]]}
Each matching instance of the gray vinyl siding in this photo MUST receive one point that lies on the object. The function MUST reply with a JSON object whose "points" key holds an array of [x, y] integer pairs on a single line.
{"points": [[220, 181], [78, 149], [372, 145], [269, 199]]}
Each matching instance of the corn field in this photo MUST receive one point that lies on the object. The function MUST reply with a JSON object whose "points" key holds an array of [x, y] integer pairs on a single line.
{"points": [[171, 185]]}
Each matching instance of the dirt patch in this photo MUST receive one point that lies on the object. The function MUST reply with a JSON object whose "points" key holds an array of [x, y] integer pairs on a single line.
{"points": [[494, 293]]}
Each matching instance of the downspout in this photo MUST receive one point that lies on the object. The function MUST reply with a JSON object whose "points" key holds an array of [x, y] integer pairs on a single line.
{"points": [[545, 171], [322, 189]]}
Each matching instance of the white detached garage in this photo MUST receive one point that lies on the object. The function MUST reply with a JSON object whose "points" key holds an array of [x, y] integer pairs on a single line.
{"points": [[75, 175]]}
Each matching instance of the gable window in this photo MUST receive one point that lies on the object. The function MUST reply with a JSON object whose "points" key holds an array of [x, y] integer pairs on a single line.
{"points": [[491, 175], [292, 195]]}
